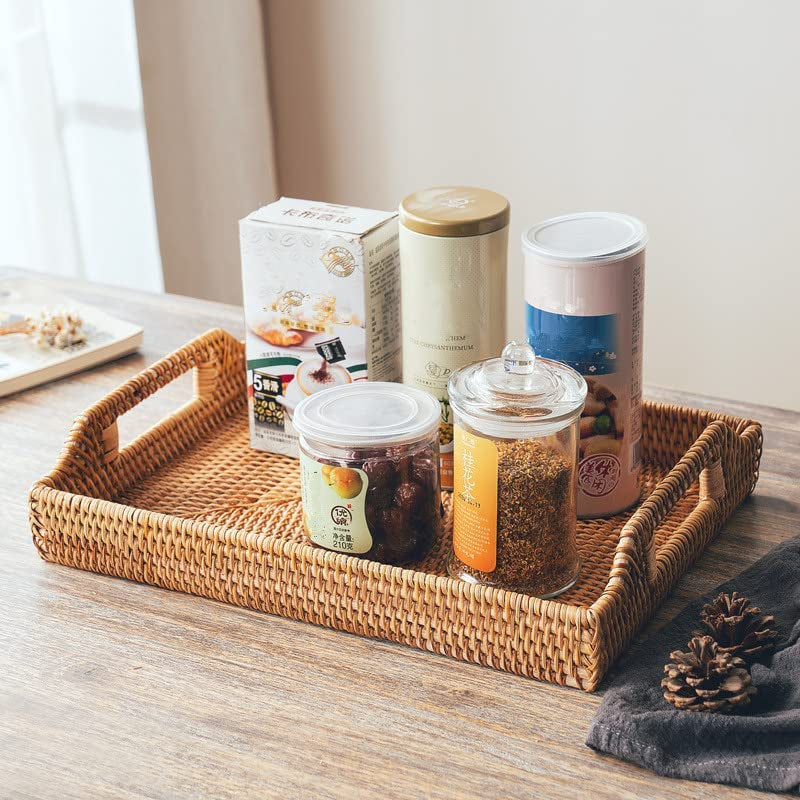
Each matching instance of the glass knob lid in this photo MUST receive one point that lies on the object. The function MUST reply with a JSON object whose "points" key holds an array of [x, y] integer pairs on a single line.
{"points": [[518, 358], [516, 373], [518, 384], [519, 363]]}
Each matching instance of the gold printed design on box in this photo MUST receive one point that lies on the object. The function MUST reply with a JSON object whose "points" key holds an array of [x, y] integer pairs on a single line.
{"points": [[306, 312], [338, 261]]}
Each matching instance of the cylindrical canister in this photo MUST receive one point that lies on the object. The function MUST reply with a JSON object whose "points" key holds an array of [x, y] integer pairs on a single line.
{"points": [[516, 430], [369, 474], [584, 290], [453, 254]]}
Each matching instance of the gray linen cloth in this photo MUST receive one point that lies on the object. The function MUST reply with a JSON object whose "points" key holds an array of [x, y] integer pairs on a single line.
{"points": [[758, 748]]}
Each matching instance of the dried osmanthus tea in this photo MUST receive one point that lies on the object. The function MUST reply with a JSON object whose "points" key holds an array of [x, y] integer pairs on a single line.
{"points": [[369, 456], [516, 447]]}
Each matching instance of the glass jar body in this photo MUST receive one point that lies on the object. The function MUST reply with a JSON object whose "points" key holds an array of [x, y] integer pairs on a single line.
{"points": [[514, 516], [381, 503]]}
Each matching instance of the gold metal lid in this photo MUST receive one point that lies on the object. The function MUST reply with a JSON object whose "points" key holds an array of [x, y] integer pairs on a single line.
{"points": [[454, 211]]}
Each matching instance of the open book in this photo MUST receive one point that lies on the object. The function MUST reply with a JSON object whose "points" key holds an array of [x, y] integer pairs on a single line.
{"points": [[25, 363]]}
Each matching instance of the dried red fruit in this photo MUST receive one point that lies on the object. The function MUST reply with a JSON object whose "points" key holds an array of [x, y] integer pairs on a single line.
{"points": [[394, 522], [403, 467], [404, 550], [380, 497], [423, 469], [409, 497], [378, 552], [372, 513], [381, 472]]}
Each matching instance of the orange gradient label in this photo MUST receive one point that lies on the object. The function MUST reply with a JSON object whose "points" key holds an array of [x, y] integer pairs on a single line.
{"points": [[474, 500], [446, 470]]}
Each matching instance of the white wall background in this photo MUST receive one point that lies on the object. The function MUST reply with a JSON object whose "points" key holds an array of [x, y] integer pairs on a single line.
{"points": [[206, 103], [685, 113]]}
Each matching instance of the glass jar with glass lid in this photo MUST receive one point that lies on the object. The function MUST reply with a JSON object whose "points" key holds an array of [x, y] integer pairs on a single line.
{"points": [[516, 421]]}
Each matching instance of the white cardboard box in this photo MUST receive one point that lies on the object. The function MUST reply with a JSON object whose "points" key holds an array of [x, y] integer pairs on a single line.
{"points": [[322, 307]]}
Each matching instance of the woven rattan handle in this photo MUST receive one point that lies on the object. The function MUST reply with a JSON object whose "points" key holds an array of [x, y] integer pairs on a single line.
{"points": [[702, 461], [92, 463], [212, 356]]}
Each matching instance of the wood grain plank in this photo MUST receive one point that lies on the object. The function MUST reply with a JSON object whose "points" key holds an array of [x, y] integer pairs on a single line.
{"points": [[110, 689]]}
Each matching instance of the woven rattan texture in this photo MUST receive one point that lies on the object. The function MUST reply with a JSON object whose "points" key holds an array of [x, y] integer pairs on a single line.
{"points": [[221, 480], [190, 507]]}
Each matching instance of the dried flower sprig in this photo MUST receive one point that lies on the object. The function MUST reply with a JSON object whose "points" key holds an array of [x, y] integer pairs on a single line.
{"points": [[59, 328]]}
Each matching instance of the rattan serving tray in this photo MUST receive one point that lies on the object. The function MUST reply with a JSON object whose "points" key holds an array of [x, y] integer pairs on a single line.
{"points": [[188, 506]]}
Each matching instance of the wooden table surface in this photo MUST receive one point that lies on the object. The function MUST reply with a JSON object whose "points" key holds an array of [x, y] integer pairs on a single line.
{"points": [[114, 689]]}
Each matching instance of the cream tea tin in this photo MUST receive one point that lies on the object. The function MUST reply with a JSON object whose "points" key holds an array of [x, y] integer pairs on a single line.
{"points": [[453, 251]]}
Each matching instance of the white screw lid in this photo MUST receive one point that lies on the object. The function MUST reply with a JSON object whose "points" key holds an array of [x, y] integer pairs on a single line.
{"points": [[589, 236], [367, 414]]}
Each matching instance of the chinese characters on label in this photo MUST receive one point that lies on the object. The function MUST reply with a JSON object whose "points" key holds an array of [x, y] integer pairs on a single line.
{"points": [[599, 474], [321, 214]]}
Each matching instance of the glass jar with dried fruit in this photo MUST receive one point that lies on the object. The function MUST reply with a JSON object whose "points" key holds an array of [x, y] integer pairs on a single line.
{"points": [[516, 448], [369, 470]]}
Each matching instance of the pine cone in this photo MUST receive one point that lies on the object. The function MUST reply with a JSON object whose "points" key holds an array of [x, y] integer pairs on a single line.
{"points": [[739, 629], [706, 679]]}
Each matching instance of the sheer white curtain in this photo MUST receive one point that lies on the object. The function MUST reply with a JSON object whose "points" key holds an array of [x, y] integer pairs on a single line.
{"points": [[134, 134], [75, 193]]}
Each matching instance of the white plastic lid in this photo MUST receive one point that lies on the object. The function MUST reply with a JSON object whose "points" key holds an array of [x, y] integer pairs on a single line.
{"points": [[590, 236], [367, 414]]}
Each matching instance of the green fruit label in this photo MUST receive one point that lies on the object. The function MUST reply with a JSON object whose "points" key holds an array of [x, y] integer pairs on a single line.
{"points": [[333, 506]]}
